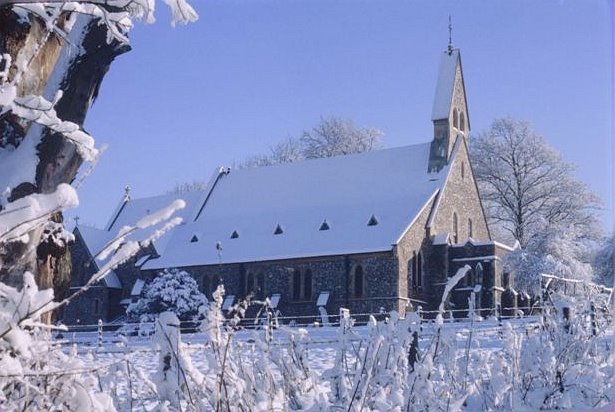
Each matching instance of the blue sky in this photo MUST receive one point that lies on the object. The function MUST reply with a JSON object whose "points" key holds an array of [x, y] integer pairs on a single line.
{"points": [[251, 73]]}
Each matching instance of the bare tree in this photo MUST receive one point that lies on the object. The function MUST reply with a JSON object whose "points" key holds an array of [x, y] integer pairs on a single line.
{"points": [[525, 185]]}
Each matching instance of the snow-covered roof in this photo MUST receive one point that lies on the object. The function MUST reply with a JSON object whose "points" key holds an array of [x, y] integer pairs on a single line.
{"points": [[112, 281], [129, 212], [445, 85], [95, 239], [245, 209], [137, 288]]}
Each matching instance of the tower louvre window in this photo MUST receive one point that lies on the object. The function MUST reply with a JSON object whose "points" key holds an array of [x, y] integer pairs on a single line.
{"points": [[373, 221], [278, 230], [324, 225]]}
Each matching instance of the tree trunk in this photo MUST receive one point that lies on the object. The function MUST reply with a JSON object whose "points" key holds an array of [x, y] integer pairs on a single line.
{"points": [[76, 63]]}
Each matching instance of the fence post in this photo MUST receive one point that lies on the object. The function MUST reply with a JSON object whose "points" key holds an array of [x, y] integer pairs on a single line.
{"points": [[100, 332], [419, 311], [566, 315], [592, 318]]}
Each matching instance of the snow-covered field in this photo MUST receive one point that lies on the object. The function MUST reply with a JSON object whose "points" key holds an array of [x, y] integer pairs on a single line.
{"points": [[344, 368]]}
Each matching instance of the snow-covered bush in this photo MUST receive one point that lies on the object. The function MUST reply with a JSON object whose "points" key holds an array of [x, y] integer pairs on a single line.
{"points": [[173, 291], [35, 374], [559, 251]]}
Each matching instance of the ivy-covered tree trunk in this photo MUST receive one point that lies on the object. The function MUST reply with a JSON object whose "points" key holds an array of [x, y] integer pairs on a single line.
{"points": [[72, 55]]}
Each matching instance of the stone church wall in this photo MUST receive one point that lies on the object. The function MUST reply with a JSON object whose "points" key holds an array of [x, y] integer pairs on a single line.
{"points": [[460, 196], [331, 274]]}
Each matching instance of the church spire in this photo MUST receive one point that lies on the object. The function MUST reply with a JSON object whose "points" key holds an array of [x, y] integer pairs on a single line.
{"points": [[450, 109]]}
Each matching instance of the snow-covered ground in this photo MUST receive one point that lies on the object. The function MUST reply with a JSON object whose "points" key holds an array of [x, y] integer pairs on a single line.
{"points": [[131, 363]]}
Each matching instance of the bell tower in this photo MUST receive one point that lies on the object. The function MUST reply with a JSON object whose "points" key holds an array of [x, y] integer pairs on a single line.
{"points": [[450, 109]]}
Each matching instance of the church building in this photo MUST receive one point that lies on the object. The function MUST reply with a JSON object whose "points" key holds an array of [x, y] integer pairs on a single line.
{"points": [[375, 231]]}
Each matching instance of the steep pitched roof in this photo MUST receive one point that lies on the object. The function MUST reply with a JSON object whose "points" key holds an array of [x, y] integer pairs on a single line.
{"points": [[445, 85], [95, 240], [277, 211]]}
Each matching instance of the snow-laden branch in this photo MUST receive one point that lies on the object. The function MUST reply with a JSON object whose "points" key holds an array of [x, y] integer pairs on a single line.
{"points": [[116, 14], [23, 215], [40, 110]]}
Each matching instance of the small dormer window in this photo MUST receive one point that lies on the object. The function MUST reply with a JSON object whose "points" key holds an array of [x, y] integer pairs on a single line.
{"points": [[194, 239], [324, 225], [234, 235], [278, 230], [373, 221]]}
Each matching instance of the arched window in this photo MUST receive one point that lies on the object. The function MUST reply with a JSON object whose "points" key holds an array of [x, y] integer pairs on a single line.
{"points": [[260, 285], [455, 119], [206, 285], [470, 230], [301, 283], [479, 274], [96, 307], [307, 285], [415, 267], [249, 283], [463, 170], [462, 122], [358, 282], [296, 284], [455, 228], [412, 270]]}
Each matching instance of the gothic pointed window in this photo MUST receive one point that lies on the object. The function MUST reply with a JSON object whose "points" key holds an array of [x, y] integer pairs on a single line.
{"points": [[260, 286], [249, 283], [419, 271], [357, 282], [470, 228], [296, 284], [301, 285], [479, 274], [462, 122], [455, 228], [307, 284], [415, 269], [455, 119]]}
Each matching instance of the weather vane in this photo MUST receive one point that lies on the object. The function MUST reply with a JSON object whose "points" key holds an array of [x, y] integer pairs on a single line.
{"points": [[450, 35]]}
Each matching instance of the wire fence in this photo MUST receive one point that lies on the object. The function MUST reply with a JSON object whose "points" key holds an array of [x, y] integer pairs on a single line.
{"points": [[111, 336]]}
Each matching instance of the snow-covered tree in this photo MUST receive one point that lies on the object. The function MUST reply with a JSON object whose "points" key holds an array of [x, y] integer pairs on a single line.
{"points": [[172, 290], [526, 186], [332, 136], [557, 251], [53, 57], [604, 262]]}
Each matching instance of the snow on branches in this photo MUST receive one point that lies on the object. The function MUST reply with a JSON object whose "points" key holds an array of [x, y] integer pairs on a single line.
{"points": [[171, 291]]}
